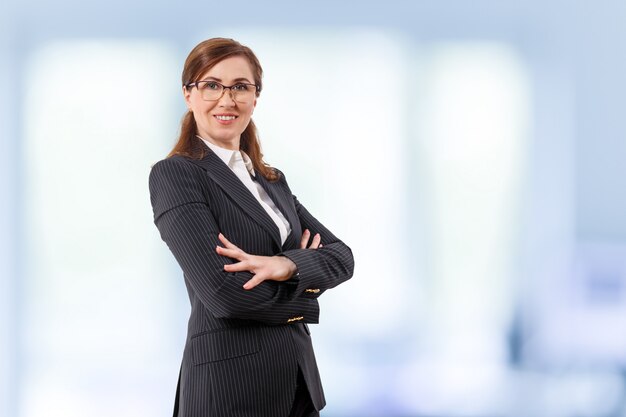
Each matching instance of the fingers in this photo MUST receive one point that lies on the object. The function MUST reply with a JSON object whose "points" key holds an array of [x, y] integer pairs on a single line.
{"points": [[229, 250], [226, 242], [237, 267], [254, 281], [306, 235], [276, 268], [231, 253], [316, 241], [305, 238]]}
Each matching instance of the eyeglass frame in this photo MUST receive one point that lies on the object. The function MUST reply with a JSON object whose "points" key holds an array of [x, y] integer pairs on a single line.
{"points": [[224, 87]]}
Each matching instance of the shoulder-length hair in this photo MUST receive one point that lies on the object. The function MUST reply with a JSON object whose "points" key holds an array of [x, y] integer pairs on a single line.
{"points": [[200, 60]]}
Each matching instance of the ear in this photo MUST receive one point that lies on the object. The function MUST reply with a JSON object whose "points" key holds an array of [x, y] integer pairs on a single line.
{"points": [[187, 96]]}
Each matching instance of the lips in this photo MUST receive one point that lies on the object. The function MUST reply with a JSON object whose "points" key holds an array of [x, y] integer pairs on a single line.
{"points": [[225, 117]]}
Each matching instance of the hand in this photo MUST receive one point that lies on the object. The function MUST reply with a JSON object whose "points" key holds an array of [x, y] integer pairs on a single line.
{"points": [[306, 235], [274, 268]]}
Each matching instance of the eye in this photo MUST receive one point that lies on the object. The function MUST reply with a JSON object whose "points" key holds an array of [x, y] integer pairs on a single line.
{"points": [[211, 85], [240, 87]]}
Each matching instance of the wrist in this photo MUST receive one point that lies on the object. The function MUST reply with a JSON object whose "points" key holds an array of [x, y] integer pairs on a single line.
{"points": [[292, 268]]}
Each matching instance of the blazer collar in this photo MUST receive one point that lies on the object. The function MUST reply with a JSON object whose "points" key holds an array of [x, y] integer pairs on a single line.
{"points": [[219, 172]]}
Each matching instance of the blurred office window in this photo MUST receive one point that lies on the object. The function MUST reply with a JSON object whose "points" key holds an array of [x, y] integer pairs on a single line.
{"points": [[98, 299], [471, 127]]}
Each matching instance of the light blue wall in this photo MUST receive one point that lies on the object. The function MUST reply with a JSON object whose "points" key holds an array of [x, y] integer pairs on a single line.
{"points": [[9, 232]]}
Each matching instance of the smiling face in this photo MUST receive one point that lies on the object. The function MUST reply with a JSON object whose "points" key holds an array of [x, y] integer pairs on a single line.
{"points": [[222, 121]]}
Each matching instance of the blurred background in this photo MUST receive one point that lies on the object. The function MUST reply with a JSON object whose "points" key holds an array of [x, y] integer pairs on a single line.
{"points": [[470, 153]]}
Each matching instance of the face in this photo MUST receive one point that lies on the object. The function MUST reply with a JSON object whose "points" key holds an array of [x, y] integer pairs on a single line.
{"points": [[222, 121]]}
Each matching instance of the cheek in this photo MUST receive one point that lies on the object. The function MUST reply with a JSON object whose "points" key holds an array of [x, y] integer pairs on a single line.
{"points": [[249, 111], [201, 109]]}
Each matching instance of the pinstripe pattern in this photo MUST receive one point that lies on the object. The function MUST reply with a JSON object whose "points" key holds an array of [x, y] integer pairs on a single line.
{"points": [[302, 405], [243, 348]]}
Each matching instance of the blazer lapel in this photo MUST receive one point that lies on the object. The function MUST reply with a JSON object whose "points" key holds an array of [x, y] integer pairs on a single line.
{"points": [[240, 195], [284, 202]]}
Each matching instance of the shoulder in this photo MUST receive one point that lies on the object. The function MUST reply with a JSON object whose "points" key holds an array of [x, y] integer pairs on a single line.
{"points": [[174, 168], [176, 163], [175, 173], [174, 181]]}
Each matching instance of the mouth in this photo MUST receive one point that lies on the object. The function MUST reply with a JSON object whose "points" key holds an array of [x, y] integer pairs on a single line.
{"points": [[225, 117]]}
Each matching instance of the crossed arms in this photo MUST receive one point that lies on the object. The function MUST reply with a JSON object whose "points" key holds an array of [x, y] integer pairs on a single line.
{"points": [[230, 282]]}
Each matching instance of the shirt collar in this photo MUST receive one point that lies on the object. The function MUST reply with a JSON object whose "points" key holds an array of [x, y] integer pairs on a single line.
{"points": [[228, 156]]}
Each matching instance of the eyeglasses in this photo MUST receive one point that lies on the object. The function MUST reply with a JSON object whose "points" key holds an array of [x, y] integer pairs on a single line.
{"points": [[212, 90]]}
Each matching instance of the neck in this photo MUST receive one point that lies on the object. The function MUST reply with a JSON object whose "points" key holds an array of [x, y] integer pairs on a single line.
{"points": [[232, 145]]}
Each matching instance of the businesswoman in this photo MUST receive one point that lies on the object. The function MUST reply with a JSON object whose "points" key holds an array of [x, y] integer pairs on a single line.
{"points": [[254, 259]]}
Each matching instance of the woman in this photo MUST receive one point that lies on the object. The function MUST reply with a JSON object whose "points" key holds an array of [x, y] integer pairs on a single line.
{"points": [[253, 258]]}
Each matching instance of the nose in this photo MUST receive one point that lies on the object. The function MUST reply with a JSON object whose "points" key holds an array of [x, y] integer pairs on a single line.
{"points": [[226, 98]]}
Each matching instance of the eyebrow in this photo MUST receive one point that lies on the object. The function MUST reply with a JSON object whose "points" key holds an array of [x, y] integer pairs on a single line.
{"points": [[236, 80]]}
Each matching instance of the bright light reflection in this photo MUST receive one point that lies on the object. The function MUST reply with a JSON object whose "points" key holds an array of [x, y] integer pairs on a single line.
{"points": [[471, 124]]}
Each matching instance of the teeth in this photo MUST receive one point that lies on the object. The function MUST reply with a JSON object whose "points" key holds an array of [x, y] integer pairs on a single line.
{"points": [[225, 117]]}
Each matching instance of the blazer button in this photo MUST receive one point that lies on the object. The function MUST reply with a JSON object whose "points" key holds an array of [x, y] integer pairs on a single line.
{"points": [[291, 320], [312, 290]]}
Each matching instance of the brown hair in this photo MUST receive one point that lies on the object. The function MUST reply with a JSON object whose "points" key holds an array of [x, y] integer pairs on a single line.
{"points": [[201, 59]]}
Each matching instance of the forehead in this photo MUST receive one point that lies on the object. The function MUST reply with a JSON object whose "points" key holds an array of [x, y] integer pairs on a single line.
{"points": [[233, 68]]}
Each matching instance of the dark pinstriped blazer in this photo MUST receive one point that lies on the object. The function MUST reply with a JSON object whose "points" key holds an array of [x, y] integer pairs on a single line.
{"points": [[243, 348]]}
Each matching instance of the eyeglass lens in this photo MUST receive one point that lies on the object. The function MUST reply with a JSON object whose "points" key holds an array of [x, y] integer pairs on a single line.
{"points": [[242, 93]]}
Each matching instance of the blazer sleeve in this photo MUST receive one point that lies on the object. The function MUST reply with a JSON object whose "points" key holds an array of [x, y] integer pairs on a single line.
{"points": [[189, 229], [323, 268]]}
